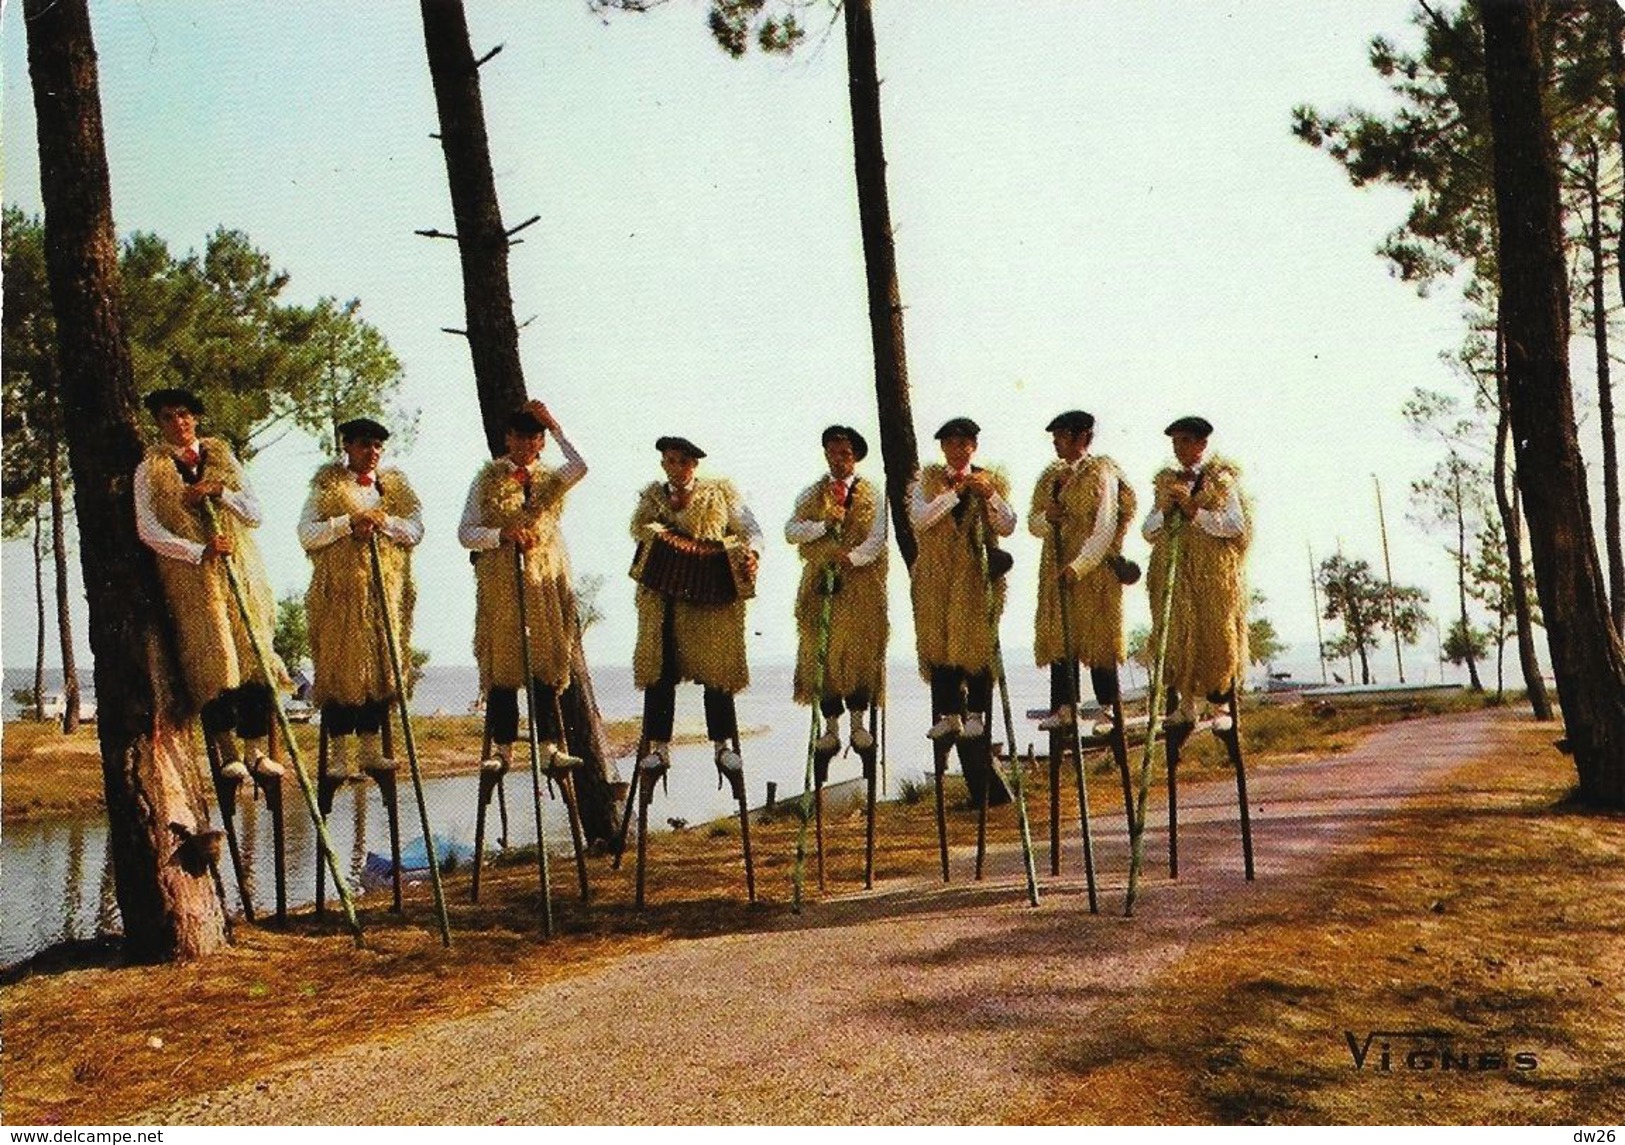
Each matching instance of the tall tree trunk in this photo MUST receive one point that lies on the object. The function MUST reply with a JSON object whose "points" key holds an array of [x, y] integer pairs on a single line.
{"points": [[39, 609], [64, 617], [1506, 502], [1605, 401], [1587, 657], [1473, 682], [493, 338], [157, 818], [898, 447]]}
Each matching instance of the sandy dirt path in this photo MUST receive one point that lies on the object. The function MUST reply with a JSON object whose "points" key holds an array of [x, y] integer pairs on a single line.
{"points": [[915, 1003]]}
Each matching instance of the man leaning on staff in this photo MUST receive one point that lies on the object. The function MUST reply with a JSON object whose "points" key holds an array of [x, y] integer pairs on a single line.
{"points": [[352, 502], [1207, 630], [958, 509], [223, 676], [839, 523], [1083, 502], [687, 640], [515, 503]]}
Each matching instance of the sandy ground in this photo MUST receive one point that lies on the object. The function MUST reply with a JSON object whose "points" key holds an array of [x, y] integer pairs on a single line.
{"points": [[918, 1002]]}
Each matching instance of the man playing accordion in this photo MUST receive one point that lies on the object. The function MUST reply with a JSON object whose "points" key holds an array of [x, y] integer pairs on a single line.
{"points": [[696, 567]]}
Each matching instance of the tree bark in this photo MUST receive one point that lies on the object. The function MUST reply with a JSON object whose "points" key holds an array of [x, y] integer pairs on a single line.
{"points": [[39, 609], [64, 617], [157, 819], [899, 449], [1506, 503], [1587, 657], [1605, 401], [493, 340], [1459, 496]]}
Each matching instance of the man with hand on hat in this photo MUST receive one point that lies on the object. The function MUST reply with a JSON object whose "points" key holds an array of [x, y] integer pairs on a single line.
{"points": [[515, 503], [958, 509], [223, 676], [1082, 501], [839, 522], [685, 639], [1200, 497], [350, 503]]}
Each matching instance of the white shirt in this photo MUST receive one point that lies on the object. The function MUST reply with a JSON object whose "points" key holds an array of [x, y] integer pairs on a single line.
{"points": [[1228, 521], [799, 532], [315, 533], [924, 514], [239, 502], [1099, 541], [473, 535]]}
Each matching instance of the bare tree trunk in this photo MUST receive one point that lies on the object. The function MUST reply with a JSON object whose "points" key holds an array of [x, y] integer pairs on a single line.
{"points": [[157, 819], [1587, 657], [39, 609], [64, 617], [493, 339], [1473, 681], [1605, 401], [1506, 502], [898, 447]]}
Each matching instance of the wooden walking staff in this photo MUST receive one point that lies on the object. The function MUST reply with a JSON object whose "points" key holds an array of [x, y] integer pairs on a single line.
{"points": [[1159, 665], [1029, 863], [817, 770], [1076, 744], [535, 760], [286, 728], [388, 623]]}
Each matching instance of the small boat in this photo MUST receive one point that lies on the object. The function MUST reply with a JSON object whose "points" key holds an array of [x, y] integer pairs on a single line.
{"points": [[451, 853]]}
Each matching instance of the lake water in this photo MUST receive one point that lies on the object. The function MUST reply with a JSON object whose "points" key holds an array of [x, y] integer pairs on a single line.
{"points": [[56, 879]]}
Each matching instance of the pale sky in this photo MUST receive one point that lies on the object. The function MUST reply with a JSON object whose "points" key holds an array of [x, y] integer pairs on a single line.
{"points": [[1097, 205]]}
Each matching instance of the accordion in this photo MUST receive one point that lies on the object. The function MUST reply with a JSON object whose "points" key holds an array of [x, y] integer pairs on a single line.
{"points": [[695, 571]]}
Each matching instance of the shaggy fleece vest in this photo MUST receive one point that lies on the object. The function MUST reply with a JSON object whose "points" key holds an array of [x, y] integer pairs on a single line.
{"points": [[1094, 602], [347, 641], [856, 654], [214, 646], [1207, 628], [955, 609]]}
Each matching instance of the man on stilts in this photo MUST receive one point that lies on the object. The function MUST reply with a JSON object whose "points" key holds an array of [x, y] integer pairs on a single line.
{"points": [[682, 639], [953, 622], [1083, 500], [839, 523], [223, 676], [516, 501], [350, 502], [1207, 627]]}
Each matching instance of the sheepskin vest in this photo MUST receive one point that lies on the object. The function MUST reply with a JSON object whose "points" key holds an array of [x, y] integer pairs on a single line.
{"points": [[856, 652], [549, 600], [955, 609], [1094, 602], [347, 641], [214, 646], [708, 639], [1207, 628]]}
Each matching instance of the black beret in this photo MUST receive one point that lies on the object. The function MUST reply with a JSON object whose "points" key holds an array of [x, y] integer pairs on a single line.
{"points": [[860, 447], [1072, 421], [959, 427], [162, 399], [522, 420], [681, 444], [363, 427], [1195, 426]]}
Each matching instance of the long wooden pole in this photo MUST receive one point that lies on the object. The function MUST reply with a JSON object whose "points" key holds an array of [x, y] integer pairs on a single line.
{"points": [[1314, 594], [286, 728], [535, 750], [1388, 571], [387, 619], [1176, 536]]}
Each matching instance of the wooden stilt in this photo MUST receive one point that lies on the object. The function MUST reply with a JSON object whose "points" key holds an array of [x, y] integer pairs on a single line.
{"points": [[1057, 748], [871, 775], [1176, 735], [225, 794], [1119, 745], [490, 780], [940, 751], [1232, 743], [565, 778]]}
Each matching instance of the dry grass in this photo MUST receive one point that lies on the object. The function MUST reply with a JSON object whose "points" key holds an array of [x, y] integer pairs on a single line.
{"points": [[1248, 1028], [1489, 909]]}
